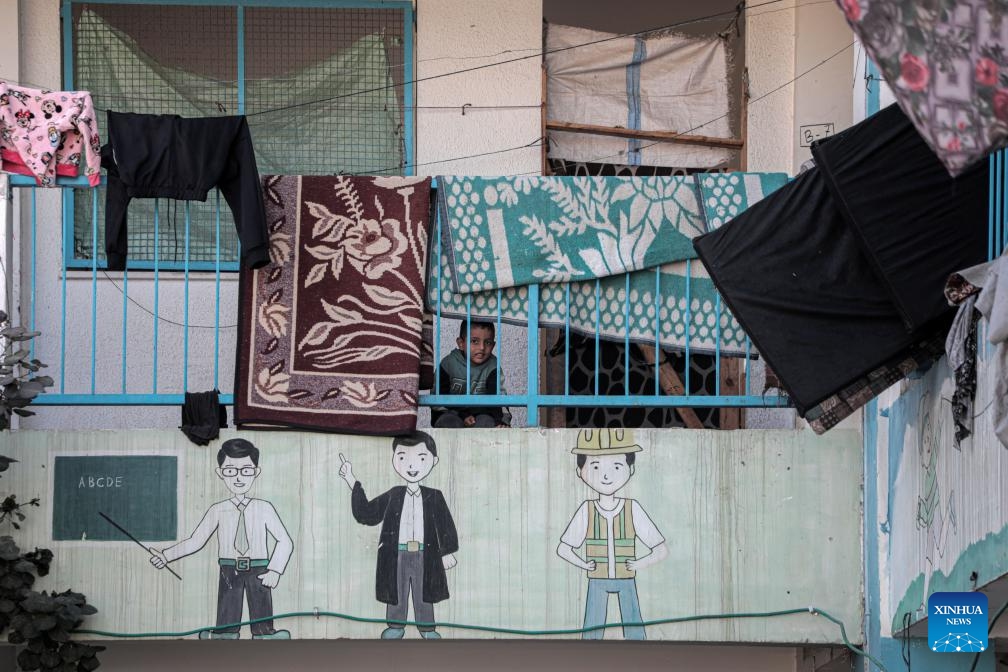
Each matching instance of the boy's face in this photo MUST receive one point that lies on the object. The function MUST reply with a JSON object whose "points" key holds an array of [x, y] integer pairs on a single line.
{"points": [[481, 344], [413, 463], [605, 474], [238, 474]]}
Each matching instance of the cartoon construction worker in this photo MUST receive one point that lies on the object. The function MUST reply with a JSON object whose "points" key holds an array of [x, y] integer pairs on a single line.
{"points": [[418, 539], [610, 528], [242, 524]]}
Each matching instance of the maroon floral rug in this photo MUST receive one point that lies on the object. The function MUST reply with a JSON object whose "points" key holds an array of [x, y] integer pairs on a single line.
{"points": [[329, 331]]}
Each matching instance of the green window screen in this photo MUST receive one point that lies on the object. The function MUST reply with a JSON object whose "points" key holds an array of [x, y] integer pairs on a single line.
{"points": [[323, 91]]}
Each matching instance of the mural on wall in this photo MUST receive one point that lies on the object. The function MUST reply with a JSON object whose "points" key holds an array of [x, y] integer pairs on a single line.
{"points": [[242, 524], [418, 540], [946, 501], [609, 528], [553, 530], [933, 519]]}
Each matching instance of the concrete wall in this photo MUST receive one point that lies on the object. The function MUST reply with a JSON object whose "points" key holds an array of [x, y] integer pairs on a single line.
{"points": [[754, 521]]}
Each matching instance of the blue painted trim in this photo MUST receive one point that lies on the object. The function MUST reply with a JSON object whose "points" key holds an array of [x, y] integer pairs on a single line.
{"points": [[34, 267], [118, 399], [873, 592], [144, 265], [626, 333], [125, 324], [534, 398], [321, 4], [717, 346], [217, 278], [240, 20], [567, 338], [66, 17], [157, 287], [991, 163], [185, 302], [54, 399], [633, 91], [874, 87], [614, 401], [688, 329], [409, 91], [94, 288], [657, 331], [63, 307]]}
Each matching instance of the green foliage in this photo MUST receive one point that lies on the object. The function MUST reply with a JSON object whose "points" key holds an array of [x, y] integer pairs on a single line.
{"points": [[19, 384], [41, 621]]}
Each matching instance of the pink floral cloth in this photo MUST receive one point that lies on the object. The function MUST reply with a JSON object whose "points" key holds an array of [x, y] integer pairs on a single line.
{"points": [[947, 65], [48, 133]]}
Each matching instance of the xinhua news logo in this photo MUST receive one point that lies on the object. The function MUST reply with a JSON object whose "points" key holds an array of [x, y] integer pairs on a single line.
{"points": [[957, 622]]}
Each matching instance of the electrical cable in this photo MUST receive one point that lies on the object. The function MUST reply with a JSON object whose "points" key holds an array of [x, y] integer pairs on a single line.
{"points": [[501, 630]]}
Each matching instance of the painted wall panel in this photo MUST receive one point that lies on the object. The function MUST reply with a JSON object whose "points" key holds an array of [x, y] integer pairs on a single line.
{"points": [[943, 509], [753, 520]]}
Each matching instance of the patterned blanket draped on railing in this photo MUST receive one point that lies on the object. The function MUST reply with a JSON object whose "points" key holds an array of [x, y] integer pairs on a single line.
{"points": [[329, 332], [716, 198]]}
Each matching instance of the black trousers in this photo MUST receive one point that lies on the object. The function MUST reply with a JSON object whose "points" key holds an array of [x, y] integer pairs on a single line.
{"points": [[231, 590], [409, 577]]}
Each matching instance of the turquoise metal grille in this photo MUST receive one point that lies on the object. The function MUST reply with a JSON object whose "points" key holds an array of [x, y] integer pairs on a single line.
{"points": [[324, 87]]}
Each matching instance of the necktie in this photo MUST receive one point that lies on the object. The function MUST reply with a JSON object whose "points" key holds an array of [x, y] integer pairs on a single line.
{"points": [[241, 542]]}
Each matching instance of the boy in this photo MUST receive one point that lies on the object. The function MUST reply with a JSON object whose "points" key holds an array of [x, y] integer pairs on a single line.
{"points": [[483, 379], [417, 539], [609, 527], [241, 524]]}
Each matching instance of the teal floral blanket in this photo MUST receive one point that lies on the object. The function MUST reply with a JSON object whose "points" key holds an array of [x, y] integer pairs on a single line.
{"points": [[500, 232], [677, 299]]}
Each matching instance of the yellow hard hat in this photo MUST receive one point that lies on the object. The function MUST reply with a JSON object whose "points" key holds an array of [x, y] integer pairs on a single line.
{"points": [[606, 442]]}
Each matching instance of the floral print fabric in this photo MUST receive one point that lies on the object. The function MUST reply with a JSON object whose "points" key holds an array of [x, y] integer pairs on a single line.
{"points": [[947, 65], [330, 330]]}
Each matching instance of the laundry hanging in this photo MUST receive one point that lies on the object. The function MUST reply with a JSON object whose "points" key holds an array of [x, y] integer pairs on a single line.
{"points": [[838, 276], [48, 133], [167, 156], [510, 231], [330, 331], [692, 315], [945, 64]]}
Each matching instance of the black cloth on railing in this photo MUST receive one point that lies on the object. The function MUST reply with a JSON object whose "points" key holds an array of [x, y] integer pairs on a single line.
{"points": [[203, 416], [840, 273], [166, 156]]}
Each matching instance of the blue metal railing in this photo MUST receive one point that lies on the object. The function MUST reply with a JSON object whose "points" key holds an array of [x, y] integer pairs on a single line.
{"points": [[95, 390]]}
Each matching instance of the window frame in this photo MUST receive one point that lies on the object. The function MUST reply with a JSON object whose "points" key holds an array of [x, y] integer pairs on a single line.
{"points": [[72, 262]]}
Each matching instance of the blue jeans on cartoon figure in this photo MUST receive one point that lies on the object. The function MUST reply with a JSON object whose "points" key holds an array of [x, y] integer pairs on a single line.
{"points": [[599, 591]]}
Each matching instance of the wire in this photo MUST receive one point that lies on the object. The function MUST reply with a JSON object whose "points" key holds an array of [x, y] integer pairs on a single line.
{"points": [[517, 59], [499, 630], [159, 317]]}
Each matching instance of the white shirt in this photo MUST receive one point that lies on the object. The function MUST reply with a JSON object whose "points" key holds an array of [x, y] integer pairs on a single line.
{"points": [[411, 521], [260, 518], [645, 530]]}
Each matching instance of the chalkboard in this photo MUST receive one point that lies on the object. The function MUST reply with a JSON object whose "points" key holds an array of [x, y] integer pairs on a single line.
{"points": [[137, 491]]}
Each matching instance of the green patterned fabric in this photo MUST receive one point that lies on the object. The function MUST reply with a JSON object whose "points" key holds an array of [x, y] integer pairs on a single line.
{"points": [[702, 316], [509, 231]]}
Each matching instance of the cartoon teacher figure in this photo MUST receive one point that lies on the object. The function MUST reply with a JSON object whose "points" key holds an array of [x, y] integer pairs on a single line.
{"points": [[242, 523], [418, 537]]}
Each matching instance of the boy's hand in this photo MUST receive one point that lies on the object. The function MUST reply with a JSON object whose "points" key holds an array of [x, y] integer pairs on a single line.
{"points": [[449, 561], [631, 565], [590, 566], [270, 579], [469, 421], [157, 558], [346, 472], [503, 426]]}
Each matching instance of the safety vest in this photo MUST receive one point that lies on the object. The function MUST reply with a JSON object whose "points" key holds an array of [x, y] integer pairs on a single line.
{"points": [[597, 542]]}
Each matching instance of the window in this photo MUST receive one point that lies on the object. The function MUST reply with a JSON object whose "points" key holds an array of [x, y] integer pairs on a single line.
{"points": [[324, 83]]}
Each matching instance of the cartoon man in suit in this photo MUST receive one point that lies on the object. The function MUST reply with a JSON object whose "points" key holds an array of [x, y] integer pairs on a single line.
{"points": [[417, 540], [242, 525]]}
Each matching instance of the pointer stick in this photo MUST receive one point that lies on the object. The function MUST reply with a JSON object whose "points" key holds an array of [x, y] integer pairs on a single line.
{"points": [[137, 541]]}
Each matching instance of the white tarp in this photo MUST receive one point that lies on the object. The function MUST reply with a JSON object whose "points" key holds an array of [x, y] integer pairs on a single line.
{"points": [[662, 82]]}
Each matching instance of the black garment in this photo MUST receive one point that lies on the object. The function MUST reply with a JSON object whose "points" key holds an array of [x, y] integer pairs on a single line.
{"points": [[166, 156], [440, 539], [835, 274], [202, 416]]}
